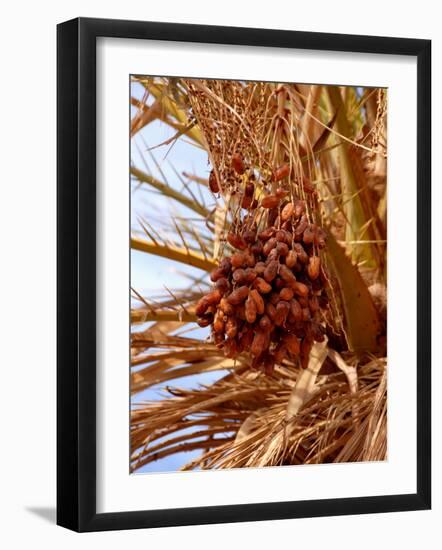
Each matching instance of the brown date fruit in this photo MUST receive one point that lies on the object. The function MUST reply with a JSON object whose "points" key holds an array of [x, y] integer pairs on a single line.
{"points": [[268, 296], [238, 259], [282, 249], [299, 208], [236, 241], [269, 245], [295, 310], [246, 339], [281, 172], [303, 301], [249, 236], [308, 186], [306, 346], [218, 322], [238, 164], [222, 285], [271, 271], [240, 312], [271, 311], [250, 189], [280, 352], [214, 297], [301, 227], [246, 202], [281, 192], [283, 236], [260, 343], [282, 310], [259, 301], [216, 274], [271, 201], [308, 235], [239, 276], [226, 265], [286, 294], [249, 258], [266, 234], [250, 275], [265, 323], [213, 182], [302, 254], [320, 237], [313, 304], [201, 306], [290, 259], [273, 255], [306, 316], [250, 308], [231, 327], [286, 274], [238, 296], [256, 248], [300, 289], [227, 308], [318, 332], [287, 212], [293, 344], [314, 266], [262, 286], [205, 321]]}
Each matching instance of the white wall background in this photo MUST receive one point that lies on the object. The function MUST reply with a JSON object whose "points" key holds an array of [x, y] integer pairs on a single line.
{"points": [[27, 273]]}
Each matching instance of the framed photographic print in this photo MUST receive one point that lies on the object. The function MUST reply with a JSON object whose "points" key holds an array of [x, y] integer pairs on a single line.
{"points": [[243, 274]]}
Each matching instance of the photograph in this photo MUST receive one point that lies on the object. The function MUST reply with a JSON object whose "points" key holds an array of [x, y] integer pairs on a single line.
{"points": [[258, 273], [226, 217]]}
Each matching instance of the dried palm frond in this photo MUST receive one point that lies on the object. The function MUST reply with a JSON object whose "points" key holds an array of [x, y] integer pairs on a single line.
{"points": [[269, 421], [333, 142]]}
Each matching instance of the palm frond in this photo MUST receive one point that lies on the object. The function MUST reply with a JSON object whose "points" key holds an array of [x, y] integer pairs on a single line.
{"points": [[187, 396]]}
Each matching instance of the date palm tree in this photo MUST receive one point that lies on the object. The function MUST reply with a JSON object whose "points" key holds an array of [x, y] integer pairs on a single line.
{"points": [[334, 141]]}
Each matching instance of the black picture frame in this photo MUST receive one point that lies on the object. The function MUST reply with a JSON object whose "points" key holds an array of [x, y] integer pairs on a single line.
{"points": [[76, 274]]}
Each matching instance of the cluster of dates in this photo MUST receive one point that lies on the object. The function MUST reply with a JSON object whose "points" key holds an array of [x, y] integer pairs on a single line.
{"points": [[267, 297]]}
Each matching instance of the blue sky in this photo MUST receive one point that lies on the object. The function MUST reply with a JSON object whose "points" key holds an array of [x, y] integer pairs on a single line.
{"points": [[150, 273]]}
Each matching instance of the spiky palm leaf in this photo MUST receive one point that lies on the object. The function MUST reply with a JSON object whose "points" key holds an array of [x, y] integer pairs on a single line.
{"points": [[335, 140]]}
